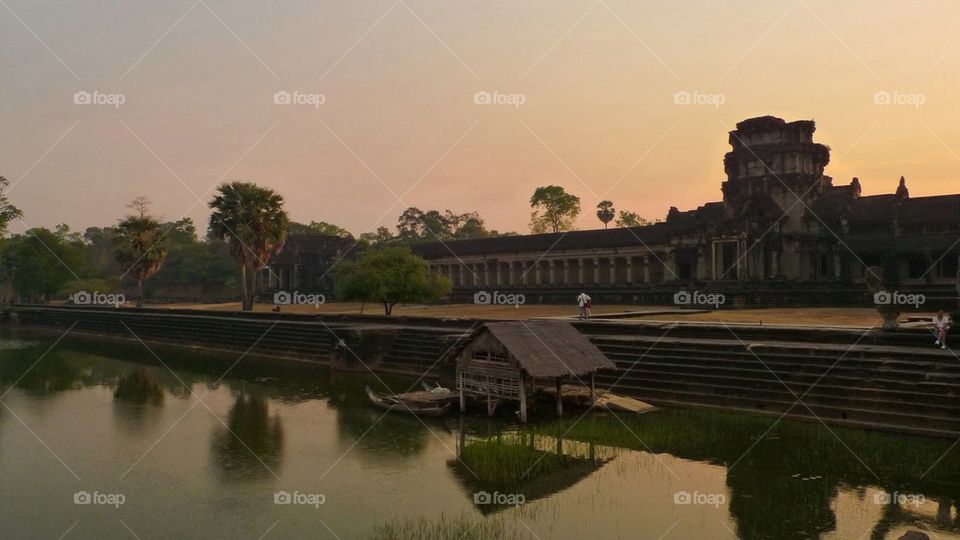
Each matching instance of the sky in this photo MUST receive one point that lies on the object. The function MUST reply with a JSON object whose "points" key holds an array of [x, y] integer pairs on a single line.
{"points": [[460, 105]]}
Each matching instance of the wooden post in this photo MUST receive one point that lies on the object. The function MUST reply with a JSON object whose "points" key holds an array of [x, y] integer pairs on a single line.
{"points": [[559, 399], [523, 399], [593, 391], [463, 398], [489, 399]]}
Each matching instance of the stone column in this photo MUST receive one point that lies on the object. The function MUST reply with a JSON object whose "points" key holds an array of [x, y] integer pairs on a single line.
{"points": [[596, 270], [837, 266], [669, 273], [476, 274], [645, 270], [499, 275], [462, 275], [630, 270], [551, 272], [565, 278], [511, 274], [536, 272], [613, 271], [580, 271], [701, 264]]}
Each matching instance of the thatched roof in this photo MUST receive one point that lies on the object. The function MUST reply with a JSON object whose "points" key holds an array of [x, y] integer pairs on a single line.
{"points": [[549, 348]]}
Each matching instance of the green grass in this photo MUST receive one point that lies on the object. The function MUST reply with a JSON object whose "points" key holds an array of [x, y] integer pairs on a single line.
{"points": [[463, 527], [510, 461]]}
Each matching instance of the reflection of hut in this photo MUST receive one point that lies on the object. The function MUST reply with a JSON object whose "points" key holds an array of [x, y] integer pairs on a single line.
{"points": [[506, 358]]}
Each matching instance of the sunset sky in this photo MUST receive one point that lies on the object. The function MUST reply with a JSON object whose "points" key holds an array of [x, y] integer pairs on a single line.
{"points": [[399, 125]]}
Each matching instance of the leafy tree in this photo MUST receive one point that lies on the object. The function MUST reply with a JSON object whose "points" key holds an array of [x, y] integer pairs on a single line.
{"points": [[99, 251], [8, 212], [39, 263], [318, 228], [380, 237], [252, 221], [141, 248], [553, 209], [389, 275], [415, 225], [140, 206], [605, 212], [630, 219], [181, 232], [206, 267]]}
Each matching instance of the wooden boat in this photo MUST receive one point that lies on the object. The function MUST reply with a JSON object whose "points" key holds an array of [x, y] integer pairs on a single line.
{"points": [[410, 406]]}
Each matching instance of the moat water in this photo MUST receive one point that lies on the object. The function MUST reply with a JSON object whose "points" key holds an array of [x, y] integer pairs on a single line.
{"points": [[111, 439]]}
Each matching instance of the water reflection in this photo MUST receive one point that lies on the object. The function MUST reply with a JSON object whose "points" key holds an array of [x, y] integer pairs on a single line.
{"points": [[137, 399], [377, 433], [250, 446]]}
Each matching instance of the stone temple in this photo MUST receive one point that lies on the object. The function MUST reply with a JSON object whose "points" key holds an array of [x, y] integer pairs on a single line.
{"points": [[783, 233]]}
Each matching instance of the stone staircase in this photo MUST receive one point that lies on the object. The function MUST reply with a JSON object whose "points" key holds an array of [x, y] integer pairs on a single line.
{"points": [[427, 352], [293, 340], [864, 384]]}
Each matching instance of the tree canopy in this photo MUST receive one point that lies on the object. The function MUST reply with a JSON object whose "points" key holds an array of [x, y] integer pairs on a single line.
{"points": [[389, 275], [316, 228], [605, 212], [252, 221], [554, 209], [630, 219]]}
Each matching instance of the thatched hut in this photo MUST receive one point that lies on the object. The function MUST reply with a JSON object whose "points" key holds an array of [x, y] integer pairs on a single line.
{"points": [[506, 358]]}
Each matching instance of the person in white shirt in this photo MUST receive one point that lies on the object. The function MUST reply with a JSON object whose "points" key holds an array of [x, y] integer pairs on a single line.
{"points": [[941, 322], [584, 302]]}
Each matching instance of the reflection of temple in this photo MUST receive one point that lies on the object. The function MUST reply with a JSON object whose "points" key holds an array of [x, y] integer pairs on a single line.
{"points": [[781, 220]]}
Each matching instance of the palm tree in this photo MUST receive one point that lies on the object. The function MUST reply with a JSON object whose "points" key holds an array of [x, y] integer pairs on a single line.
{"points": [[141, 248], [605, 212], [251, 219]]}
